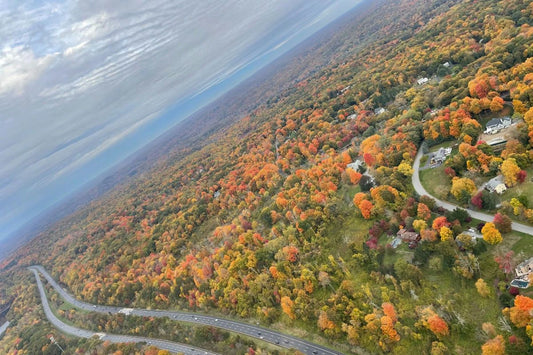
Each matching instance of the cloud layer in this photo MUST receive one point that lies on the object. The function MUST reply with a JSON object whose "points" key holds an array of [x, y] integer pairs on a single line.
{"points": [[79, 76]]}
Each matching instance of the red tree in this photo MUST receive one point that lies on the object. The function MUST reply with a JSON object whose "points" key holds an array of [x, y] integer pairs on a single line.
{"points": [[477, 200], [502, 222], [521, 176]]}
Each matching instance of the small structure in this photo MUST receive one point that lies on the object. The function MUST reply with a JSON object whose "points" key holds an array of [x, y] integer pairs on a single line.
{"points": [[422, 81], [409, 237], [353, 116], [395, 243], [523, 270], [440, 156], [497, 144], [473, 233], [355, 165], [345, 89], [496, 184], [446, 65], [380, 110], [497, 124]]}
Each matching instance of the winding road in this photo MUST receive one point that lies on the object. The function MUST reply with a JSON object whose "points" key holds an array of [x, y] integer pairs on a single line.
{"points": [[3, 328], [264, 334], [519, 227], [82, 333]]}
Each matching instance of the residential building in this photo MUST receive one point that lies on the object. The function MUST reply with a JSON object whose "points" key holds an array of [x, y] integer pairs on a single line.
{"points": [[496, 184], [355, 165], [524, 268], [497, 124], [440, 156]]}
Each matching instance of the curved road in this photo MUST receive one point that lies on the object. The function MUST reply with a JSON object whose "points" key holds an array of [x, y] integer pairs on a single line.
{"points": [[3, 328], [279, 339], [82, 333], [519, 227]]}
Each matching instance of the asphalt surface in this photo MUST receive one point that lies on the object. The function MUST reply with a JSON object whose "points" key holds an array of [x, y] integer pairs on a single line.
{"points": [[82, 333], [3, 328], [519, 227], [264, 334]]}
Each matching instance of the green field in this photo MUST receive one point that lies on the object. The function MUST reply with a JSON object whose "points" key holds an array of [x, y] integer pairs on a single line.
{"points": [[436, 182]]}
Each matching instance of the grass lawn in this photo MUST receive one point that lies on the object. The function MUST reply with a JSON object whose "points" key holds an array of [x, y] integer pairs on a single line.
{"points": [[520, 243], [445, 144], [401, 252], [435, 181], [352, 230], [468, 307]]}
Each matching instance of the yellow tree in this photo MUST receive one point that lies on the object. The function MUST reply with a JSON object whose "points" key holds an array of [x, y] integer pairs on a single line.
{"points": [[494, 346], [482, 288], [519, 107], [463, 189], [496, 104], [419, 225], [510, 171], [445, 233], [490, 234]]}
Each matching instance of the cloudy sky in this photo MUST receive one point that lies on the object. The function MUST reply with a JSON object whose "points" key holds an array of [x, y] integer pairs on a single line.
{"points": [[80, 77]]}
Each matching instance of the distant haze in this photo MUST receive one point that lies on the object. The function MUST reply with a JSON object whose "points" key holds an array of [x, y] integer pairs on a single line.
{"points": [[80, 78]]}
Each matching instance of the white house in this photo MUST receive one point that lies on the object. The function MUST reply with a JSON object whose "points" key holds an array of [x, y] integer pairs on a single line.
{"points": [[353, 116], [474, 234], [440, 156], [379, 111], [446, 65], [524, 268], [422, 81], [355, 165], [496, 184], [497, 124], [523, 271]]}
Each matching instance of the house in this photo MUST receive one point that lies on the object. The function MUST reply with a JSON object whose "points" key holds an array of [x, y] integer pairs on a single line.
{"points": [[496, 184], [407, 236], [446, 65], [497, 124], [379, 111], [440, 156], [355, 165], [353, 116], [524, 268], [474, 234], [422, 81]]}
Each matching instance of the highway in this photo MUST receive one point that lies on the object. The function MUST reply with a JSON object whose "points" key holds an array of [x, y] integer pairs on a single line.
{"points": [[82, 333], [267, 335], [519, 227]]}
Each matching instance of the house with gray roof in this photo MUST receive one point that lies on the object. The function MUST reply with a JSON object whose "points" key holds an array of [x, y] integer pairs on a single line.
{"points": [[496, 184], [497, 124]]}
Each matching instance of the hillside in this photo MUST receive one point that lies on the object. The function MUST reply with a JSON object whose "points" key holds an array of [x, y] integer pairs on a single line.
{"points": [[261, 219]]}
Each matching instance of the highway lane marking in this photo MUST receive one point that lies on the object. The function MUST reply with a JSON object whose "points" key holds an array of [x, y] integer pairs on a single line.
{"points": [[243, 328]]}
